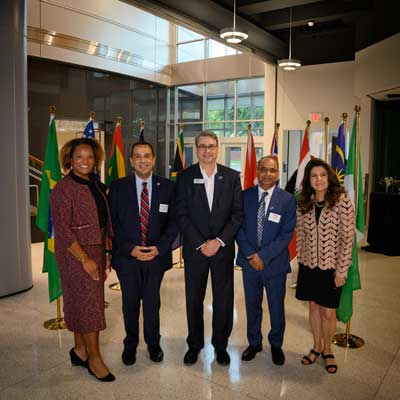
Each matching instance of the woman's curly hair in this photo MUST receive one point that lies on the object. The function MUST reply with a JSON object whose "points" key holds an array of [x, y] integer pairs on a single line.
{"points": [[67, 151], [332, 195]]}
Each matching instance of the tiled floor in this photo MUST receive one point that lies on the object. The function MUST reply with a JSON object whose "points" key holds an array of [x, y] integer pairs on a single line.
{"points": [[34, 362]]}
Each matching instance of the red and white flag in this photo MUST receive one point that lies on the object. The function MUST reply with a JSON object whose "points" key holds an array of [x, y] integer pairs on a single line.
{"points": [[305, 157], [250, 169]]}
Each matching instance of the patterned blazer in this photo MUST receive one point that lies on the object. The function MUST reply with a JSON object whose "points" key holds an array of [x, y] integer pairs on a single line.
{"points": [[329, 244]]}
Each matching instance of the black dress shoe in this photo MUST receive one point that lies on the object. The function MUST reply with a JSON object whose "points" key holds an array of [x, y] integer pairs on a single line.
{"points": [[251, 352], [223, 357], [108, 378], [278, 358], [191, 356], [128, 357], [76, 360], [156, 354]]}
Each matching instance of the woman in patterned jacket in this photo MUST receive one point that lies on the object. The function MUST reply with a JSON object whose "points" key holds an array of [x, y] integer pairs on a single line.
{"points": [[325, 234], [82, 224]]}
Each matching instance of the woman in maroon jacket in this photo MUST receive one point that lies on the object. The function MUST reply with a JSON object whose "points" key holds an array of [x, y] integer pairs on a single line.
{"points": [[82, 226]]}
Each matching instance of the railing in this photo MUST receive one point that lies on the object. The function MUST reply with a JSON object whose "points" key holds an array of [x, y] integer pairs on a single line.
{"points": [[35, 177]]}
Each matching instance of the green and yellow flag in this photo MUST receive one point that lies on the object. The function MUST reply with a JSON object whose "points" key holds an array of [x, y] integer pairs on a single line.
{"points": [[116, 163], [353, 167], [51, 175], [179, 161]]}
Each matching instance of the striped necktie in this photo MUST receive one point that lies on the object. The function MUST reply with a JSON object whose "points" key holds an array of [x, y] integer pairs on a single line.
{"points": [[144, 213], [261, 219]]}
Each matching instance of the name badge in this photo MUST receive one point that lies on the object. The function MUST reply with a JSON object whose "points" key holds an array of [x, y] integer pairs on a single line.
{"points": [[198, 181], [163, 208], [274, 217]]}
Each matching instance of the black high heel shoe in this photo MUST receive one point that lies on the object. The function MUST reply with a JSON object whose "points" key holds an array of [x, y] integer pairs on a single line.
{"points": [[76, 360], [108, 378]]}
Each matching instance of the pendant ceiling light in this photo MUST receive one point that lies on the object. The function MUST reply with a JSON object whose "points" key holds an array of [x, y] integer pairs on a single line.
{"points": [[290, 64], [232, 35]]}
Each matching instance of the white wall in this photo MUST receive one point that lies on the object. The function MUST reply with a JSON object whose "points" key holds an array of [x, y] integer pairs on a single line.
{"points": [[110, 23]]}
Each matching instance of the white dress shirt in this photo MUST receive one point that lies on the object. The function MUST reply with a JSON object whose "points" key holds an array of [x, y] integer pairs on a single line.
{"points": [[209, 183], [139, 188], [267, 197]]}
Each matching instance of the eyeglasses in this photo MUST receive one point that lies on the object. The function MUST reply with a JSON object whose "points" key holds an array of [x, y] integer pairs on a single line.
{"points": [[264, 170], [204, 147]]}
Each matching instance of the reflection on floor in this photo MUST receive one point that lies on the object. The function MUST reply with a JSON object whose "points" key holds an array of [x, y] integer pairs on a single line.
{"points": [[35, 364]]}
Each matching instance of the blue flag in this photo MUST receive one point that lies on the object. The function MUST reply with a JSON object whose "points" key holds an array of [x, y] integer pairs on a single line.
{"points": [[339, 158], [89, 130]]}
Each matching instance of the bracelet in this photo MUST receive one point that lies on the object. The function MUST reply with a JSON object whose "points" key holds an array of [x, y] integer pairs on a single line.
{"points": [[83, 258]]}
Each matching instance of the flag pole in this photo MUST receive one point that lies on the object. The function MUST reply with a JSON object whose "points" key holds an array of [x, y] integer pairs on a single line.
{"points": [[326, 138], [116, 286], [56, 323], [347, 339]]}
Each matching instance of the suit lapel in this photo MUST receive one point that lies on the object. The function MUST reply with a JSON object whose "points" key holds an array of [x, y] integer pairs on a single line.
{"points": [[154, 197], [272, 207], [252, 211], [200, 189], [132, 196], [218, 189]]}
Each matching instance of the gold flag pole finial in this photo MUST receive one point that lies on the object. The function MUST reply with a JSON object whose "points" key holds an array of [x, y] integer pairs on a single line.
{"points": [[326, 138], [119, 119], [277, 126], [92, 114], [249, 127], [308, 123], [181, 126], [52, 110], [141, 124]]}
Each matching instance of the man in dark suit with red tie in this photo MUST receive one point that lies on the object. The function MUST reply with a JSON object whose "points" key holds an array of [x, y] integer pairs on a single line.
{"points": [[209, 213], [142, 207]]}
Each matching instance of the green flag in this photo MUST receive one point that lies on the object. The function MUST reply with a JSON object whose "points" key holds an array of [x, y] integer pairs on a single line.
{"points": [[51, 175], [345, 309]]}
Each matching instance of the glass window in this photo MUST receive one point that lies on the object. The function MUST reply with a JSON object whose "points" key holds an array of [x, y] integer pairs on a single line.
{"points": [[189, 155], [259, 153], [221, 128], [233, 158], [191, 51], [185, 35], [220, 101], [191, 130], [217, 49], [190, 103], [257, 128], [250, 101]]}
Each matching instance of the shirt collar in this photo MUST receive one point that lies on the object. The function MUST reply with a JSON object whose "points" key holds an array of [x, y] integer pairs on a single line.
{"points": [[204, 173], [269, 191], [139, 181]]}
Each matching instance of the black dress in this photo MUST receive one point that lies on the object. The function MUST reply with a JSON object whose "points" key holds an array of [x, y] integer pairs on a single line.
{"points": [[315, 284]]}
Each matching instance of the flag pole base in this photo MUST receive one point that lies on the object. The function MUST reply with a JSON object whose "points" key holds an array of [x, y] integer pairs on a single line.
{"points": [[348, 341], [115, 286], [55, 324], [237, 268]]}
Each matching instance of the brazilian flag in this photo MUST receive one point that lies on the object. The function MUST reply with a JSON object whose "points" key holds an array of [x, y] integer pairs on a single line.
{"points": [[51, 175]]}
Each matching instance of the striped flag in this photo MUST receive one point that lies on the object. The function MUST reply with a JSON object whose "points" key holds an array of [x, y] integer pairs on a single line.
{"points": [[339, 159], [345, 309], [179, 160], [51, 175], [305, 157], [250, 169], [89, 130], [274, 145], [116, 162]]}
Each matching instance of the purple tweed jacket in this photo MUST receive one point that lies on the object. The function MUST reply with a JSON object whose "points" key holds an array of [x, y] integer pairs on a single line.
{"points": [[74, 215]]}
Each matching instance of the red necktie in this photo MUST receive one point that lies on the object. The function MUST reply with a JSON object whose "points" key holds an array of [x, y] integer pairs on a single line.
{"points": [[144, 213]]}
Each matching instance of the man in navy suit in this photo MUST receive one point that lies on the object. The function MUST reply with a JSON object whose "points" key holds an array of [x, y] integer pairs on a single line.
{"points": [[142, 208], [270, 219], [209, 213]]}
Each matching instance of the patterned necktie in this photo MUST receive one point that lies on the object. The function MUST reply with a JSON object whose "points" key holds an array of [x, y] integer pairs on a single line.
{"points": [[144, 213], [261, 219]]}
